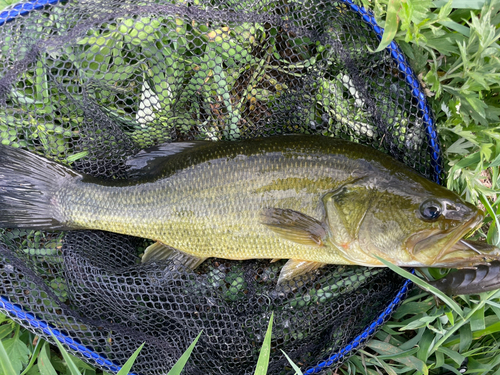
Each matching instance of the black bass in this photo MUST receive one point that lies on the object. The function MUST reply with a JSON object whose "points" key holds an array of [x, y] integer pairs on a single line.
{"points": [[310, 199]]}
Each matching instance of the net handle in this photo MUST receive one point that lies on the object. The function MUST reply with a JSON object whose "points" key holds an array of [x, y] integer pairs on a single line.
{"points": [[23, 9]]}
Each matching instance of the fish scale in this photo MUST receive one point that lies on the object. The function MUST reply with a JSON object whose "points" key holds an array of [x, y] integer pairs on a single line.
{"points": [[313, 200]]}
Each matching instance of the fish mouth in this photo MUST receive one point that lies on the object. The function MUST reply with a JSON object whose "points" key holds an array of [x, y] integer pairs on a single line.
{"points": [[451, 251]]}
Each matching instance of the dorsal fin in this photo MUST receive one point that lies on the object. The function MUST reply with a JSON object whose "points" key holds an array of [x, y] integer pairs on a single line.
{"points": [[150, 161]]}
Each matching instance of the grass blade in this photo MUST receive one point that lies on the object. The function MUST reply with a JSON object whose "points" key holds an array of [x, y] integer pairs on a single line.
{"points": [[391, 24], [69, 362], [130, 362], [181, 362], [424, 285], [44, 365], [5, 363], [34, 356], [294, 366], [493, 232], [265, 351]]}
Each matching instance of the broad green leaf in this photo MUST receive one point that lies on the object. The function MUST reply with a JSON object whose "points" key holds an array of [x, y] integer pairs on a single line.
{"points": [[461, 146], [265, 350], [391, 24], [181, 362], [468, 161], [294, 366], [5, 330], [465, 338], [477, 320], [18, 352], [424, 285], [464, 30], [44, 365], [490, 330], [5, 364], [130, 362], [425, 345], [478, 105], [34, 356], [34, 371]]}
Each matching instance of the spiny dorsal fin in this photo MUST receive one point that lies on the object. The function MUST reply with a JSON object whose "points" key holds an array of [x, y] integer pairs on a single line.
{"points": [[294, 226], [159, 251], [151, 160], [294, 268]]}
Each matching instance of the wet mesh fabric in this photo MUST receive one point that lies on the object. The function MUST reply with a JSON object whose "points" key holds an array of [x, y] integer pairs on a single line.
{"points": [[91, 83]]}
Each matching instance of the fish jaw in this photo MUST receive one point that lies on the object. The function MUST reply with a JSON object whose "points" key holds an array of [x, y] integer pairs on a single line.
{"points": [[446, 249]]}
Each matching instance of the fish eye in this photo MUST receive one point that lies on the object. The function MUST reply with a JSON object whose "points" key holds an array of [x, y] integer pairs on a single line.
{"points": [[431, 209]]}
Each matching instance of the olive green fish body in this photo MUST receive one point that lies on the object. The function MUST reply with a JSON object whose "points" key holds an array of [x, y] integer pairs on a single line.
{"points": [[212, 207], [314, 200]]}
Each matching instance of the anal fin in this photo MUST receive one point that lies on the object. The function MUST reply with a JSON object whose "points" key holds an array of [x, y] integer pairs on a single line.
{"points": [[294, 268], [159, 251]]}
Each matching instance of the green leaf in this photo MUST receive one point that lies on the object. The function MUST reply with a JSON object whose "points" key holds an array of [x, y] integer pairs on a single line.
{"points": [[490, 330], [5, 330], [44, 365], [425, 345], [265, 350], [294, 366], [465, 338], [424, 285], [418, 323], [394, 353], [34, 356], [5, 364], [18, 353], [69, 362], [181, 362], [477, 320], [457, 357], [464, 30], [461, 146], [130, 362], [391, 24], [478, 105], [493, 235], [461, 4]]}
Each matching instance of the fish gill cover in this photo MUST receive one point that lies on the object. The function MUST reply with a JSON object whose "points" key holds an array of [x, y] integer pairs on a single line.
{"points": [[90, 83]]}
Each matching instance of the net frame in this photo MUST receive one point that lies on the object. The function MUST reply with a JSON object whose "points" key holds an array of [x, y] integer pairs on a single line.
{"points": [[19, 314]]}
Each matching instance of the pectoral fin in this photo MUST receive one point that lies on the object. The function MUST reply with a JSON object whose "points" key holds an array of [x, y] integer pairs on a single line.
{"points": [[294, 268], [159, 251], [294, 226]]}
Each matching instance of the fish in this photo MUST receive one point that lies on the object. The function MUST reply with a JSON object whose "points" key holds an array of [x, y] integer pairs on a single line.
{"points": [[313, 200]]}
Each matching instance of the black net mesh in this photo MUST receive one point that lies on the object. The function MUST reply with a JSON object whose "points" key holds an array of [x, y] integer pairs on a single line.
{"points": [[90, 83]]}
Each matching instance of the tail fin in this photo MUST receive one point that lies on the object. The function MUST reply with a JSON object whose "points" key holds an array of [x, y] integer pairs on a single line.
{"points": [[28, 183]]}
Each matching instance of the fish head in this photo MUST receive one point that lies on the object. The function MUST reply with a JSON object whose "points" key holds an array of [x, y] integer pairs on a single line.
{"points": [[424, 229], [441, 244]]}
